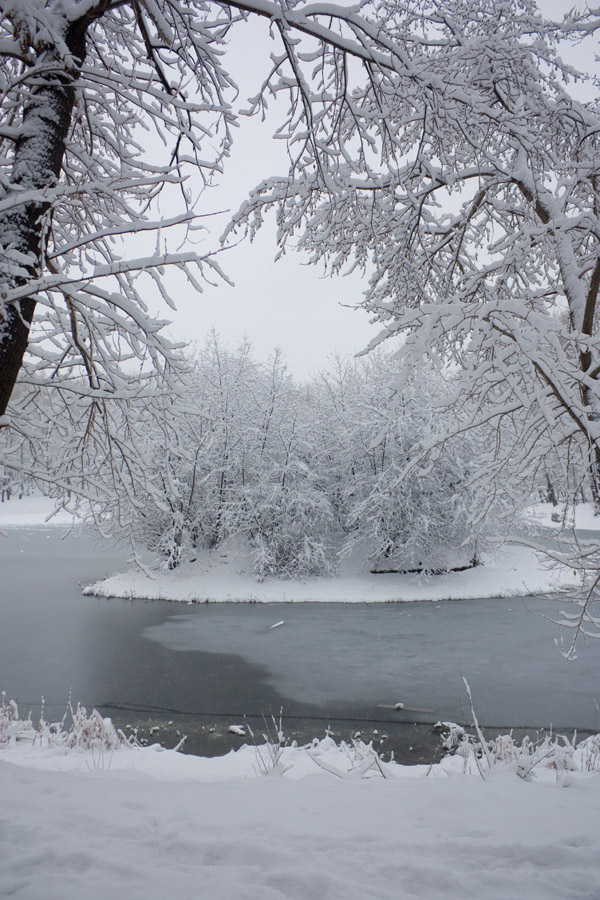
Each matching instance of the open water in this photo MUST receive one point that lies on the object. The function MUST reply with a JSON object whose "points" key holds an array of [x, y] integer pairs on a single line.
{"points": [[195, 670]]}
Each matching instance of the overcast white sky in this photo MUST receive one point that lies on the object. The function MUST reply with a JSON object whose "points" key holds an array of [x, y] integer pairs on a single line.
{"points": [[287, 304]]}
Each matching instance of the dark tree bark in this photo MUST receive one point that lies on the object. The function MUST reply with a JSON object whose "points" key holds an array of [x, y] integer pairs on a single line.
{"points": [[38, 158]]}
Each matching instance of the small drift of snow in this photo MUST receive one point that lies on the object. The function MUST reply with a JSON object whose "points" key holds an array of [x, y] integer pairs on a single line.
{"points": [[31, 511], [220, 578], [149, 824], [582, 517], [238, 729]]}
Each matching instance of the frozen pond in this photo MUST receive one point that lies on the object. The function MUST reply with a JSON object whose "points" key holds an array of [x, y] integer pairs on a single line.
{"points": [[361, 657], [327, 663]]}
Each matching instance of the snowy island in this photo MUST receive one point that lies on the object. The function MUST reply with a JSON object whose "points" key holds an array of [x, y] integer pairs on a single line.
{"points": [[224, 577]]}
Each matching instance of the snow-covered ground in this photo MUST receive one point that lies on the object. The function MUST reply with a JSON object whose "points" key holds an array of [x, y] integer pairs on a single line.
{"points": [[322, 823], [153, 825]]}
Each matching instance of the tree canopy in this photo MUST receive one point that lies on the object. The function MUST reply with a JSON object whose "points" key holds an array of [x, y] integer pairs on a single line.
{"points": [[443, 146]]}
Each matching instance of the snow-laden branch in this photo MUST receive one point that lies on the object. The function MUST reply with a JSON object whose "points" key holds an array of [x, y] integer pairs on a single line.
{"points": [[437, 145]]}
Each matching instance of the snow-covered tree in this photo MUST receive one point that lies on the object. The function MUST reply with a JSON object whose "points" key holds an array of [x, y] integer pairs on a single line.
{"points": [[195, 451], [464, 177], [107, 108], [441, 144], [300, 476], [400, 507], [436, 142], [288, 516], [240, 465], [472, 194]]}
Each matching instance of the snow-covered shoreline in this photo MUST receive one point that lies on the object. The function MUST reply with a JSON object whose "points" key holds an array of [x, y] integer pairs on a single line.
{"points": [[226, 577], [216, 578], [150, 824]]}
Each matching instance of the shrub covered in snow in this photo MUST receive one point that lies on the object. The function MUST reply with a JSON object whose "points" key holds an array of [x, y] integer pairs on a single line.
{"points": [[84, 732], [555, 752]]}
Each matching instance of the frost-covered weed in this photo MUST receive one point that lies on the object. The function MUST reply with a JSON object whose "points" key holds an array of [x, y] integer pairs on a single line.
{"points": [[363, 761], [12, 728], [85, 732], [555, 752], [269, 756], [452, 734], [354, 759]]}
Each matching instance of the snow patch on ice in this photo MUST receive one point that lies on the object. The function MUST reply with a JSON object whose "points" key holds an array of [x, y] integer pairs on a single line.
{"points": [[32, 511]]}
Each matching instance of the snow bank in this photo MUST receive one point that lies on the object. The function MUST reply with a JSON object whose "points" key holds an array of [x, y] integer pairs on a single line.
{"points": [[153, 824], [582, 516], [216, 578], [31, 511]]}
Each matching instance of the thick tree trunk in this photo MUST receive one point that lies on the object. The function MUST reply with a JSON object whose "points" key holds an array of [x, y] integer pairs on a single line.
{"points": [[37, 164], [591, 370]]}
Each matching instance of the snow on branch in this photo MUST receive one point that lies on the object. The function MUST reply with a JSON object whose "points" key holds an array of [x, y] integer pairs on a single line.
{"points": [[443, 148]]}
